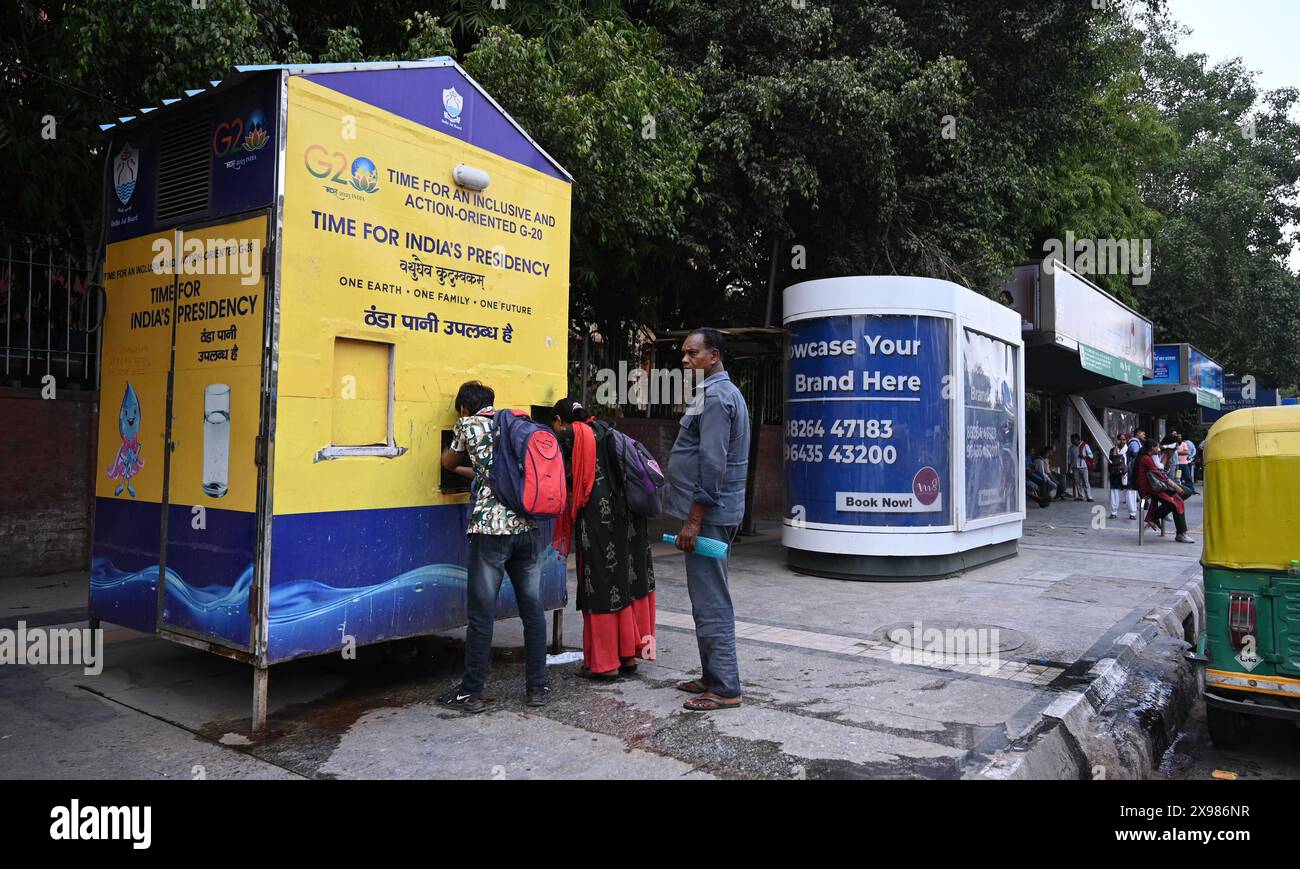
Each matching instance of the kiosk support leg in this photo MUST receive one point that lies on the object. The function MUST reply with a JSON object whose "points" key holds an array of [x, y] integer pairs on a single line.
{"points": [[261, 676], [557, 632]]}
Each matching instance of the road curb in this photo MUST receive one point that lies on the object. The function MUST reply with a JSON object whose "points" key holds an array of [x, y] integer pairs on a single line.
{"points": [[1137, 696]]}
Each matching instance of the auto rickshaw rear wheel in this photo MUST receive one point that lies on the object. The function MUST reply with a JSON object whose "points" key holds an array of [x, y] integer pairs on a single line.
{"points": [[1225, 727]]}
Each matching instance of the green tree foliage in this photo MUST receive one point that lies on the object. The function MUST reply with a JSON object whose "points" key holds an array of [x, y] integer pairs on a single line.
{"points": [[619, 121], [1228, 195], [947, 138], [1094, 186], [555, 22], [86, 63], [927, 138]]}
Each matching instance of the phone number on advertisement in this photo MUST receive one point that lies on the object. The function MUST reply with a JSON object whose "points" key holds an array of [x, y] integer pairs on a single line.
{"points": [[853, 454], [841, 428]]}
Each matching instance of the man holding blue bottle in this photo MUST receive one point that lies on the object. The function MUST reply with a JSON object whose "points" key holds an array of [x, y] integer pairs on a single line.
{"points": [[706, 490]]}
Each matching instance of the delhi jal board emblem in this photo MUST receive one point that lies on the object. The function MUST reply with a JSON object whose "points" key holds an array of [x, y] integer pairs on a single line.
{"points": [[126, 168], [452, 103]]}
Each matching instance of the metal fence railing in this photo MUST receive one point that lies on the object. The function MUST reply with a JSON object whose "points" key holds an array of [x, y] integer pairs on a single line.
{"points": [[765, 373], [49, 317], [611, 362]]}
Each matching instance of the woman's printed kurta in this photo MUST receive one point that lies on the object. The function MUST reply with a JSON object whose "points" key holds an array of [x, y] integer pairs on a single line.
{"points": [[613, 546]]}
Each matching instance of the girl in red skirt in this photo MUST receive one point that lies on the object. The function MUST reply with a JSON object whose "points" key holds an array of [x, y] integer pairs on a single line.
{"points": [[616, 585]]}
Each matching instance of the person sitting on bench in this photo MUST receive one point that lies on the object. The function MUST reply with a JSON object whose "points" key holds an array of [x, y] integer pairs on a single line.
{"points": [[1165, 495]]}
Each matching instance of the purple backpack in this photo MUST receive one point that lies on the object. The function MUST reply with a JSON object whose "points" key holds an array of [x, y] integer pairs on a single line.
{"points": [[643, 481]]}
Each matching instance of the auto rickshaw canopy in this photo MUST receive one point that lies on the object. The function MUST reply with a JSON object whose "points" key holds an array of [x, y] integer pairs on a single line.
{"points": [[1252, 489]]}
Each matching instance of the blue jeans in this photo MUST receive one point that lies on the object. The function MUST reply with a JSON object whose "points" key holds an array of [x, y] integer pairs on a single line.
{"points": [[715, 619], [491, 557]]}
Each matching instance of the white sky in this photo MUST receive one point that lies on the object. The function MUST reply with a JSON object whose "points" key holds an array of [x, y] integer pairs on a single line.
{"points": [[1261, 32]]}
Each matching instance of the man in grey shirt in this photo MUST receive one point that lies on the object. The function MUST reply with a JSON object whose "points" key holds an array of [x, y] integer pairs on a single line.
{"points": [[706, 489]]}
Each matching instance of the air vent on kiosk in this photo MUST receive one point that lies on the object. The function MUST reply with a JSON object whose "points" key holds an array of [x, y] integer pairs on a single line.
{"points": [[184, 173]]}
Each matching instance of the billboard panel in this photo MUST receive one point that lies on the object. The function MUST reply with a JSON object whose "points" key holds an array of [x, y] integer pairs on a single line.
{"points": [[382, 249], [213, 311], [868, 421], [1240, 393], [1089, 316], [1204, 373], [380, 245], [1168, 367], [992, 427]]}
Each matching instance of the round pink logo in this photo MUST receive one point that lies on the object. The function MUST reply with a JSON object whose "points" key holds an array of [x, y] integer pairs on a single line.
{"points": [[925, 485]]}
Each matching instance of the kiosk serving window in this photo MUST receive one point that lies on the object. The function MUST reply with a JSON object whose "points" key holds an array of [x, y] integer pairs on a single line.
{"points": [[361, 412]]}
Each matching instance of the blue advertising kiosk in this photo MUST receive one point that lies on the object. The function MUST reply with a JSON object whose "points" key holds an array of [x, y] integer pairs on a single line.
{"points": [[904, 428]]}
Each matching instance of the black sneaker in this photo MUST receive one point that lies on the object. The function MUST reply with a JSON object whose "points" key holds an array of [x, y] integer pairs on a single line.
{"points": [[538, 695], [456, 699]]}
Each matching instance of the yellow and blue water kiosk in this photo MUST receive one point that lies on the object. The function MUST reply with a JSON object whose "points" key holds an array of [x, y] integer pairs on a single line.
{"points": [[303, 264], [904, 441]]}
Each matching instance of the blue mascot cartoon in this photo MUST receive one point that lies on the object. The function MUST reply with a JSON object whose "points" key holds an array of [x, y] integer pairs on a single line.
{"points": [[128, 462]]}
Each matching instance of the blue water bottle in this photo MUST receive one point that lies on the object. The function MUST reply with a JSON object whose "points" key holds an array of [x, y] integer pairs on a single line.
{"points": [[706, 546]]}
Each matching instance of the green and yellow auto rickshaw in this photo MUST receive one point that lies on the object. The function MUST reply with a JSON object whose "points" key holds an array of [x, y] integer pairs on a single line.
{"points": [[1251, 645]]}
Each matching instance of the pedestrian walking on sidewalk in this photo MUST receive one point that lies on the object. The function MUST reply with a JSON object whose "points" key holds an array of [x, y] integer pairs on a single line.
{"points": [[1186, 460], [1080, 463], [1117, 471], [706, 490]]}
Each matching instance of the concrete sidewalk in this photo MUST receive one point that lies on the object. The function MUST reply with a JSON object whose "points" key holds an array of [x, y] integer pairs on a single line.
{"points": [[1088, 629]]}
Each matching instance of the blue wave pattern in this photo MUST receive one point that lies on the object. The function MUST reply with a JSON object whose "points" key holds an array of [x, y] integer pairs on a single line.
{"points": [[213, 610], [123, 597], [218, 611], [310, 617]]}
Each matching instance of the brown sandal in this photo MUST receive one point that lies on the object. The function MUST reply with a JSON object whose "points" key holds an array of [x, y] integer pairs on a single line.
{"points": [[585, 673], [691, 686], [711, 703]]}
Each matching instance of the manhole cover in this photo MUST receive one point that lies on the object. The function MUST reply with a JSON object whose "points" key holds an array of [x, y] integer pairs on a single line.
{"points": [[959, 638]]}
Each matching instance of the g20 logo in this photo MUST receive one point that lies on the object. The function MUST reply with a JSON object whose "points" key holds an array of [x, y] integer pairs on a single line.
{"points": [[239, 134], [361, 174]]}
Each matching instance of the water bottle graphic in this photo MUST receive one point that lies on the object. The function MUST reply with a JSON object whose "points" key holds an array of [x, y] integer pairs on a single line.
{"points": [[706, 546], [216, 439]]}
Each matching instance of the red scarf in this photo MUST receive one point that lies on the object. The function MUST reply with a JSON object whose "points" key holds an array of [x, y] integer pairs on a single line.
{"points": [[1146, 464], [584, 476]]}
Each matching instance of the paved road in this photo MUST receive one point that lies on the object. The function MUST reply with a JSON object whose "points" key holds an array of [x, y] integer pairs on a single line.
{"points": [[828, 693], [1270, 752]]}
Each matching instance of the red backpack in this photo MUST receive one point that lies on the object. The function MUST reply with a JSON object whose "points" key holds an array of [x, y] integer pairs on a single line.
{"points": [[527, 466]]}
